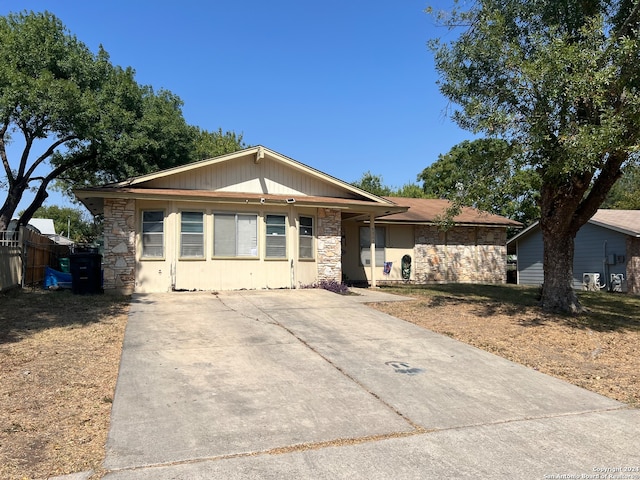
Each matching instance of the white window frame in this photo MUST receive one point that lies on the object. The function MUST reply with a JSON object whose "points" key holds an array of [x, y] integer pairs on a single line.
{"points": [[147, 234], [239, 230], [304, 235], [275, 237], [201, 234]]}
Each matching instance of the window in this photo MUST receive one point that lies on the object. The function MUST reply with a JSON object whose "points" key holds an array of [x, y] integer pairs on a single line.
{"points": [[153, 234], [365, 245], [235, 235], [191, 235], [276, 241], [305, 235]]}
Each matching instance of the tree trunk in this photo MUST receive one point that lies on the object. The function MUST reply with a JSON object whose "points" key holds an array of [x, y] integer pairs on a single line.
{"points": [[36, 203], [558, 294], [14, 195]]}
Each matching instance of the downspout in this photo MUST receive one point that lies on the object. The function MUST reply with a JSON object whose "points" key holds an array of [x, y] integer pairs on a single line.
{"points": [[372, 249]]}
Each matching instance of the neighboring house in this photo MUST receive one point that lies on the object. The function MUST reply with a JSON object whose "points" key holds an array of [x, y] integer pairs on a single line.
{"points": [[472, 251], [608, 245], [257, 219], [46, 227]]}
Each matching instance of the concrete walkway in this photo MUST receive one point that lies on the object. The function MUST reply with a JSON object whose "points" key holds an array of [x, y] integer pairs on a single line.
{"points": [[309, 384]]}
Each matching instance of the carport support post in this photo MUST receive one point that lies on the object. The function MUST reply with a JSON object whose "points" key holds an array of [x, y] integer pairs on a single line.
{"points": [[372, 248]]}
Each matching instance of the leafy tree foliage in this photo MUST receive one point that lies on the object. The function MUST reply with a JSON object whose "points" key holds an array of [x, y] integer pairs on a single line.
{"points": [[410, 190], [486, 174], [212, 144], [561, 80], [625, 194], [80, 120], [70, 222], [375, 184]]}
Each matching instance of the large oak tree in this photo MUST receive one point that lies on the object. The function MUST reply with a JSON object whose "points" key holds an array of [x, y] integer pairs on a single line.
{"points": [[561, 80], [76, 120]]}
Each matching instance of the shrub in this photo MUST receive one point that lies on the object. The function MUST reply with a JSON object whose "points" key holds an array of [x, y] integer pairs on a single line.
{"points": [[331, 285]]}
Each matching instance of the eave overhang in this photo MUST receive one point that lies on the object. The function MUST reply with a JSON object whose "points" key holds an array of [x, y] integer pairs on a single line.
{"points": [[93, 199]]}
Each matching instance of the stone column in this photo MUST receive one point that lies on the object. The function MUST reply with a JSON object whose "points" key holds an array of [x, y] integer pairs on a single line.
{"points": [[119, 245], [329, 245]]}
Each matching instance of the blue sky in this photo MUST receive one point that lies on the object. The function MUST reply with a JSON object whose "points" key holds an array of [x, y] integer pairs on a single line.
{"points": [[343, 86]]}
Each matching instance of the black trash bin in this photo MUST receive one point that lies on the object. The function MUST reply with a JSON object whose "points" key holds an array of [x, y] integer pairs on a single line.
{"points": [[86, 272]]}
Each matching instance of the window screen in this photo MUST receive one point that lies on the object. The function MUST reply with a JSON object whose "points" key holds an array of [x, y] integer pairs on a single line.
{"points": [[153, 234], [305, 236], [276, 240], [191, 235]]}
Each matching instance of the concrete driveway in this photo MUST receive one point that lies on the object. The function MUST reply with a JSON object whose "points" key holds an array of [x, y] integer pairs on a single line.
{"points": [[309, 384]]}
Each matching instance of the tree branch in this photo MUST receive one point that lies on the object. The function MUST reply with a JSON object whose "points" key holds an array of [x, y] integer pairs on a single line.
{"points": [[48, 153], [41, 194], [3, 152], [624, 28]]}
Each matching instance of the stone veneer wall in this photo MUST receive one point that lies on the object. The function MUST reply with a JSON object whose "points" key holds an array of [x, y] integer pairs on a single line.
{"points": [[633, 265], [119, 245], [462, 254], [329, 245]]}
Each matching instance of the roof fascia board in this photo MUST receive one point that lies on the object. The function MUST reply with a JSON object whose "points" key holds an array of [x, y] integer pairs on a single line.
{"points": [[326, 177], [631, 233], [523, 232], [429, 223], [259, 152], [185, 168], [240, 199]]}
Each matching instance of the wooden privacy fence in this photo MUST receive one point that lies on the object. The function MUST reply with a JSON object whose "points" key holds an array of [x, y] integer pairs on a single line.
{"points": [[24, 256]]}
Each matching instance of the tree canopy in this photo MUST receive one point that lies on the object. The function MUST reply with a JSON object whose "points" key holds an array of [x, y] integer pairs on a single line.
{"points": [[625, 194], [80, 120], [561, 80], [375, 184], [486, 174], [70, 222]]}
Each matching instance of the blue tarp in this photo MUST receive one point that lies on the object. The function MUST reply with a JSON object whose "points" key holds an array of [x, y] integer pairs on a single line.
{"points": [[54, 279]]}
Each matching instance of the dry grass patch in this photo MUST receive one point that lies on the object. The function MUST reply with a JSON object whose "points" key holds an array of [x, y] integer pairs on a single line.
{"points": [[597, 351], [59, 356]]}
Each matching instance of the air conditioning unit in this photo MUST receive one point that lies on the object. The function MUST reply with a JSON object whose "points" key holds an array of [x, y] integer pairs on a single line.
{"points": [[591, 281], [617, 282]]}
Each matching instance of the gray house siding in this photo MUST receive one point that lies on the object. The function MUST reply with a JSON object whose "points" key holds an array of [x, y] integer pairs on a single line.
{"points": [[597, 249], [593, 245], [530, 254]]}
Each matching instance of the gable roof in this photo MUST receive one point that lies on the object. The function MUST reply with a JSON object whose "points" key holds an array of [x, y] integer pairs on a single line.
{"points": [[259, 153], [162, 185], [622, 221], [431, 211]]}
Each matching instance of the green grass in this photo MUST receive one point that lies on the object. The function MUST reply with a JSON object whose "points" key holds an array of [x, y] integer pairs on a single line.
{"points": [[606, 311]]}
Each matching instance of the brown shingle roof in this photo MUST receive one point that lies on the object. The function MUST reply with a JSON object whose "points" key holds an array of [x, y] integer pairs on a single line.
{"points": [[427, 210], [625, 221]]}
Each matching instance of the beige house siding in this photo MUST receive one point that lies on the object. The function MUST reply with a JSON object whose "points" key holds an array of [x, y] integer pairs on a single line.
{"points": [[244, 175], [126, 270], [329, 249], [633, 265], [119, 245]]}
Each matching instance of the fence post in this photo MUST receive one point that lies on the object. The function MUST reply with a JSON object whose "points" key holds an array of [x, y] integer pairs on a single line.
{"points": [[22, 242]]}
